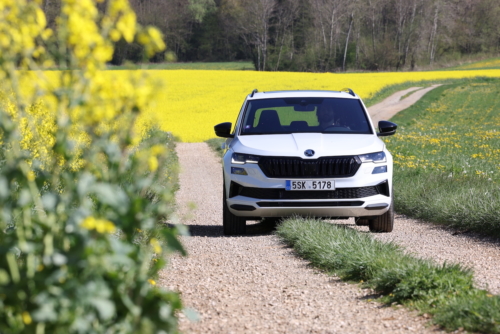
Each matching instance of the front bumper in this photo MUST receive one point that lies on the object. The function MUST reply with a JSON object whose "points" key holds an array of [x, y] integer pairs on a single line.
{"points": [[362, 195], [360, 207]]}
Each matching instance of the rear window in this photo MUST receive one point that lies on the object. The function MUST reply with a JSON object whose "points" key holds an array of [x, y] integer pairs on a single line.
{"points": [[295, 115]]}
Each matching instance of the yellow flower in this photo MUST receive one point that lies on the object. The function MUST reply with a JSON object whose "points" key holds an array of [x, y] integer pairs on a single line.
{"points": [[153, 163], [156, 245], [26, 318], [100, 225], [152, 282]]}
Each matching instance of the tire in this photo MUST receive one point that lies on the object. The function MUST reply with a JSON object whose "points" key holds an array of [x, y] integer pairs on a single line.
{"points": [[233, 225], [360, 221], [383, 223]]}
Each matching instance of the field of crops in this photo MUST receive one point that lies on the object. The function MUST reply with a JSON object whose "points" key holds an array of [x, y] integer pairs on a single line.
{"points": [[193, 101]]}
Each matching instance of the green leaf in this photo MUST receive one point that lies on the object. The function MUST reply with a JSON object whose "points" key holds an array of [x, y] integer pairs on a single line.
{"points": [[173, 243], [105, 307], [112, 195], [4, 187], [191, 314]]}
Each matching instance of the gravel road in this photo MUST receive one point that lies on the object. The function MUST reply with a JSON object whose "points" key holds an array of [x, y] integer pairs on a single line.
{"points": [[255, 284]]}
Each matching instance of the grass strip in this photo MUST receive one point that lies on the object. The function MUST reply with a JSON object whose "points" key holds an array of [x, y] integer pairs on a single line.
{"points": [[445, 291], [216, 145]]}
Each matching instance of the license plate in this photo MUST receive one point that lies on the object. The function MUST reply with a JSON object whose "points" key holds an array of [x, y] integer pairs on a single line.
{"points": [[310, 185]]}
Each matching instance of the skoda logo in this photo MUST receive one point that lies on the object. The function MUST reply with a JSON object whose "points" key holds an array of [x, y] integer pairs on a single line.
{"points": [[309, 153]]}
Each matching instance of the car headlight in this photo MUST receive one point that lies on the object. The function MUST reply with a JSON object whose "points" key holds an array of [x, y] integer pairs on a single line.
{"points": [[373, 157], [238, 158]]}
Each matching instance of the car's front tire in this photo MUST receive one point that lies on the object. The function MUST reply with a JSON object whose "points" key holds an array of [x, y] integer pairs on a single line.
{"points": [[360, 221], [233, 225], [383, 223]]}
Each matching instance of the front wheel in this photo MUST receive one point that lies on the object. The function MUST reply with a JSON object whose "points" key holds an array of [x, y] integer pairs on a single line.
{"points": [[383, 223], [233, 225]]}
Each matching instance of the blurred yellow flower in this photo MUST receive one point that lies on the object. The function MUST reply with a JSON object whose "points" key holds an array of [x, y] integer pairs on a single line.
{"points": [[26, 318], [156, 245], [100, 225]]}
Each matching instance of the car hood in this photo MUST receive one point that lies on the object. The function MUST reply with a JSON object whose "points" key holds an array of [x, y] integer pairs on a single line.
{"points": [[296, 144]]}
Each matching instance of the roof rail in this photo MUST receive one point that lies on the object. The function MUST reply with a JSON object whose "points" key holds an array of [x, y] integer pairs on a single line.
{"points": [[349, 91], [253, 92]]}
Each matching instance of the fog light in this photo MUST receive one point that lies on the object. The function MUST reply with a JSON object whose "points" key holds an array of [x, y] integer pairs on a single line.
{"points": [[238, 171], [379, 170]]}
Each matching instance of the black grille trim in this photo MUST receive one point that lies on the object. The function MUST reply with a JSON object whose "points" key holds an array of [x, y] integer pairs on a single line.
{"points": [[280, 193], [308, 204], [294, 167], [383, 189]]}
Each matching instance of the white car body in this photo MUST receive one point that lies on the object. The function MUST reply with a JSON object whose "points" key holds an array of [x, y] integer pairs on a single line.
{"points": [[290, 148]]}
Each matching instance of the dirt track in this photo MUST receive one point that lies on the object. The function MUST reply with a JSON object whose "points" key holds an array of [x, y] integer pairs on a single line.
{"points": [[254, 284]]}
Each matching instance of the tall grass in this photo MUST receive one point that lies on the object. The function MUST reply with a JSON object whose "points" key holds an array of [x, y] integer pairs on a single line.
{"points": [[445, 291]]}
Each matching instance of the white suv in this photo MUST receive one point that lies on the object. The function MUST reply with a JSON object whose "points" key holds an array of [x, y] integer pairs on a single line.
{"points": [[306, 153]]}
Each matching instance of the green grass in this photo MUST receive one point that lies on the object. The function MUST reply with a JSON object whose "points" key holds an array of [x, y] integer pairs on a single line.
{"points": [[444, 291], [487, 64], [226, 66], [446, 154], [215, 145]]}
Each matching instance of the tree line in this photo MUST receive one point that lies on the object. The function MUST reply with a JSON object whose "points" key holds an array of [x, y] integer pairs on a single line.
{"points": [[317, 35]]}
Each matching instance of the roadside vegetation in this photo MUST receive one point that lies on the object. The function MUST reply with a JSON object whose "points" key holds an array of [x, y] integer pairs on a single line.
{"points": [[84, 184], [222, 66], [487, 64], [444, 291], [446, 156]]}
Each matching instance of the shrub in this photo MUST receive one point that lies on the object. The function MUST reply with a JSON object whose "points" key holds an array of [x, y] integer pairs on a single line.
{"points": [[76, 197]]}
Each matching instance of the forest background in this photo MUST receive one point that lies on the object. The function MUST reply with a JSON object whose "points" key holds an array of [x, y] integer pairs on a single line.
{"points": [[317, 35]]}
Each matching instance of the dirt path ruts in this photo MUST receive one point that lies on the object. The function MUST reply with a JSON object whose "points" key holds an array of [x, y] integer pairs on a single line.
{"points": [[394, 104]]}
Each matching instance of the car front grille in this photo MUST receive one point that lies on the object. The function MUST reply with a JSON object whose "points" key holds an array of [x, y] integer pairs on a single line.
{"points": [[290, 167], [281, 193]]}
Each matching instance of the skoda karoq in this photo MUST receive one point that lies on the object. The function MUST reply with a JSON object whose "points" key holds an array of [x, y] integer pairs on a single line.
{"points": [[306, 153]]}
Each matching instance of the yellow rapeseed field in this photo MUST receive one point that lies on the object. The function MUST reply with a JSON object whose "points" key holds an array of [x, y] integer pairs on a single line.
{"points": [[193, 101]]}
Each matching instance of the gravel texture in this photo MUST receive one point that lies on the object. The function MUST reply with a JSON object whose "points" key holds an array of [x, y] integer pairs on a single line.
{"points": [[255, 284]]}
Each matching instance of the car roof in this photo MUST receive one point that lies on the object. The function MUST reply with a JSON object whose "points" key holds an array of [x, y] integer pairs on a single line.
{"points": [[302, 93]]}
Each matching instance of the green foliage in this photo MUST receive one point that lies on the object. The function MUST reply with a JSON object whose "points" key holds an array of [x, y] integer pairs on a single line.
{"points": [[445, 291], [64, 275], [223, 66], [216, 145], [446, 156], [200, 8], [80, 235]]}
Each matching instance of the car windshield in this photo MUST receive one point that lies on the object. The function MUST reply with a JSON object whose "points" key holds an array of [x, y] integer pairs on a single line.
{"points": [[292, 115]]}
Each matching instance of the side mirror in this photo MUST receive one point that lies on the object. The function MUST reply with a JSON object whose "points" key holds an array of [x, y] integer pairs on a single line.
{"points": [[223, 130], [386, 128]]}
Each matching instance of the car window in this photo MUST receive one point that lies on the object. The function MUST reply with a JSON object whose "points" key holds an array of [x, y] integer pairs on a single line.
{"points": [[295, 115]]}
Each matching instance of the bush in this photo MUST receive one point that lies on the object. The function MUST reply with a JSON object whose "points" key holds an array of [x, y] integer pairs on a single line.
{"points": [[80, 204]]}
